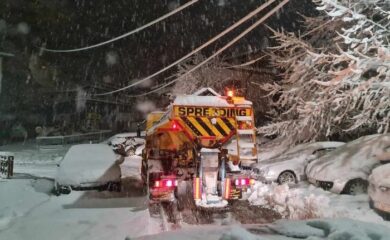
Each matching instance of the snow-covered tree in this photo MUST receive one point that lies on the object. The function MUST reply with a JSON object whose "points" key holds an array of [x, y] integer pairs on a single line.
{"points": [[213, 74], [336, 76]]}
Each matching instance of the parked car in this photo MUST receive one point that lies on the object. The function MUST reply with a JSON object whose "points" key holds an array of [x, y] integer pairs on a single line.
{"points": [[88, 166], [289, 167], [379, 189], [346, 169], [126, 144]]}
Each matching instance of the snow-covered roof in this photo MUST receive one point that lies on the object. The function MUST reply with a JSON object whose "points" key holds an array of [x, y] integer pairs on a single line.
{"points": [[206, 92], [193, 100]]}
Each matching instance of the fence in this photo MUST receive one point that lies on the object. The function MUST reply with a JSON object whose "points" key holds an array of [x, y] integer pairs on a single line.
{"points": [[6, 164], [62, 141]]}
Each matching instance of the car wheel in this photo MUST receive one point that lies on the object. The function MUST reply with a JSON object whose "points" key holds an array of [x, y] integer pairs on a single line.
{"points": [[114, 187], [58, 190], [355, 187], [287, 177]]}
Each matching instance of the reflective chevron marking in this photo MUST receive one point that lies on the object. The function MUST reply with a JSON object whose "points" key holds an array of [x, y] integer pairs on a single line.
{"points": [[203, 126]]}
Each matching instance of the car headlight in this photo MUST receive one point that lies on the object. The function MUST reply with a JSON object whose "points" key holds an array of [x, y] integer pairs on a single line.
{"points": [[384, 189]]}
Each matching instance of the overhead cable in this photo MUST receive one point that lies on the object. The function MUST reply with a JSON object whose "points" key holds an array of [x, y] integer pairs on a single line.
{"points": [[279, 6], [124, 35], [212, 40]]}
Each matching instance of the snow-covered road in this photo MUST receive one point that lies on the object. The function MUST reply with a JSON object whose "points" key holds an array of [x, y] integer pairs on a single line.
{"points": [[28, 210]]}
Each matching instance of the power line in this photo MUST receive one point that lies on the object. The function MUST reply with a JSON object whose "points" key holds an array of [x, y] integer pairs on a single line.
{"points": [[124, 35], [280, 5], [229, 29], [246, 64]]}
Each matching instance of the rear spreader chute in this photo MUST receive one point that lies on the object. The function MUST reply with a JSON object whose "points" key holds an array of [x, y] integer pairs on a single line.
{"points": [[206, 142]]}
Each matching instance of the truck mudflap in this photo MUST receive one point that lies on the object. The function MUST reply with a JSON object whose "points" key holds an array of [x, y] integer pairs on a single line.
{"points": [[211, 201], [238, 188], [161, 196]]}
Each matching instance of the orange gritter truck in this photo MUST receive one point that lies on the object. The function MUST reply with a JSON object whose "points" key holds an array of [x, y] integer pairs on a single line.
{"points": [[205, 142]]}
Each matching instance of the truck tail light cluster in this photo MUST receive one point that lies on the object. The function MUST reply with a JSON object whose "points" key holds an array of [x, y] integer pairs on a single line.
{"points": [[244, 182], [165, 183]]}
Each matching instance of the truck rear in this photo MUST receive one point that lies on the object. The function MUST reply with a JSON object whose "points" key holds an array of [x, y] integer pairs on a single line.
{"points": [[204, 143]]}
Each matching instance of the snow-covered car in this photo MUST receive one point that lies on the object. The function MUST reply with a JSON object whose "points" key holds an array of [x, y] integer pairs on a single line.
{"points": [[88, 166], [290, 167], [346, 169], [127, 143], [379, 190]]}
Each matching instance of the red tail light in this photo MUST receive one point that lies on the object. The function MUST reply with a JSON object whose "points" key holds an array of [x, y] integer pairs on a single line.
{"points": [[166, 183], [243, 182]]}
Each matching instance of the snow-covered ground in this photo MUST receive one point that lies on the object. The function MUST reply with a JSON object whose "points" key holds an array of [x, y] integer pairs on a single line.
{"points": [[29, 211], [315, 229]]}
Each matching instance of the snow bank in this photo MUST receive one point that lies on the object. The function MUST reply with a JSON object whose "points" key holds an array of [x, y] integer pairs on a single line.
{"points": [[381, 176], [331, 229], [307, 202], [131, 167], [290, 203], [205, 232]]}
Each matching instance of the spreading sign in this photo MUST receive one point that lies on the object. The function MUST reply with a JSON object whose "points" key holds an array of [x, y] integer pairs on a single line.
{"points": [[211, 111]]}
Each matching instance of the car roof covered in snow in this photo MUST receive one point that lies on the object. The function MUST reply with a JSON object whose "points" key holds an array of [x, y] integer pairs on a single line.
{"points": [[350, 160], [88, 163]]}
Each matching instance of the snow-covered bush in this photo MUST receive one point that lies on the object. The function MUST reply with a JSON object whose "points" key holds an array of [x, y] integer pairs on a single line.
{"points": [[336, 76]]}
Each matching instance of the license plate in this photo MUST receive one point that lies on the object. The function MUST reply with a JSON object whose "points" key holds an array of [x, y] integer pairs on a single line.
{"points": [[235, 194]]}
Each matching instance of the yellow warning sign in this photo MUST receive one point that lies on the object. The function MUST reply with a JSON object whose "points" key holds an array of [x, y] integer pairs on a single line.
{"points": [[188, 111]]}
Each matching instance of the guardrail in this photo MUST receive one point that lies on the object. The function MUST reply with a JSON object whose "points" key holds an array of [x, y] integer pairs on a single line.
{"points": [[61, 141]]}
